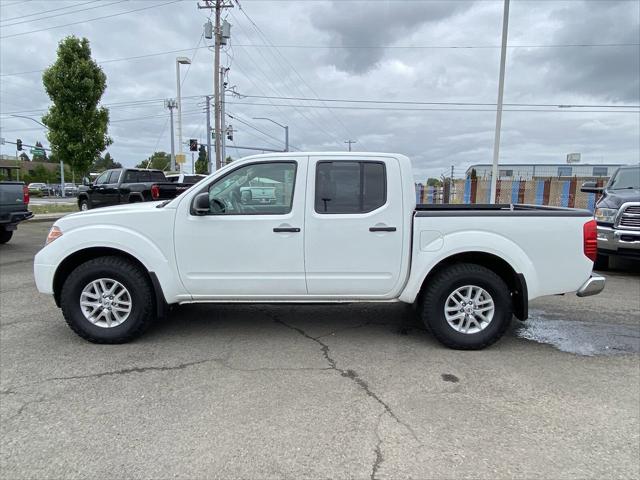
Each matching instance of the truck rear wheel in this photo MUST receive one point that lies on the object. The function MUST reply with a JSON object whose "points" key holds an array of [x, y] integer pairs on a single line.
{"points": [[5, 235], [108, 300], [84, 204], [467, 307]]}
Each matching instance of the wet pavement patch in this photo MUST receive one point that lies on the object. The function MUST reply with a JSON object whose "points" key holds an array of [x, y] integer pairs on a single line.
{"points": [[448, 377], [581, 338]]}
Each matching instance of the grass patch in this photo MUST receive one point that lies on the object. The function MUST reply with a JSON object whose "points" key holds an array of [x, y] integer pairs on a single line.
{"points": [[53, 208]]}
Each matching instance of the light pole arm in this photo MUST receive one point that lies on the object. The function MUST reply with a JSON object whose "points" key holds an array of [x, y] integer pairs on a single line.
{"points": [[32, 119]]}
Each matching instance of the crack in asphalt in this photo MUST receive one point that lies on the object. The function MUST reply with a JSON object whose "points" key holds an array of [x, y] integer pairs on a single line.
{"points": [[351, 375], [125, 371], [377, 461]]}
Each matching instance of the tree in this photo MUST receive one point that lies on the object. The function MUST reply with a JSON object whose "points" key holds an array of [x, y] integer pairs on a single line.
{"points": [[473, 174], [159, 161], [228, 160], [434, 182], [24, 157], [101, 164], [202, 164], [77, 125]]}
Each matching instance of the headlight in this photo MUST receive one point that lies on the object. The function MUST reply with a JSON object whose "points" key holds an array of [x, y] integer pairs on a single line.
{"points": [[54, 233], [606, 215]]}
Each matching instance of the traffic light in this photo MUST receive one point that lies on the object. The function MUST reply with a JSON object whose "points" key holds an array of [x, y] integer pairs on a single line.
{"points": [[230, 132], [18, 144], [193, 145]]}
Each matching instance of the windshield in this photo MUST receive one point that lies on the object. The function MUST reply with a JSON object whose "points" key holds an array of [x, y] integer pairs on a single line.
{"points": [[625, 179]]}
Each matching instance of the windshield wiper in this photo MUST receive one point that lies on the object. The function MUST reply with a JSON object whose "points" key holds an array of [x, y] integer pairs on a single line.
{"points": [[164, 203], [625, 188]]}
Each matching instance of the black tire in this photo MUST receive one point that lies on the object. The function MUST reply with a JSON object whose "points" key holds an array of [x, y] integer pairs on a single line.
{"points": [[5, 235], [602, 262], [445, 283], [84, 204], [134, 280]]}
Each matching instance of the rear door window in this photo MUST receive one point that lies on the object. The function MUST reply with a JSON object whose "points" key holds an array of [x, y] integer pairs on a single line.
{"points": [[350, 187]]}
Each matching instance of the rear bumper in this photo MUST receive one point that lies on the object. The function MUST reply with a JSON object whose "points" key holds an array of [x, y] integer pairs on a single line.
{"points": [[10, 220], [618, 241], [593, 286]]}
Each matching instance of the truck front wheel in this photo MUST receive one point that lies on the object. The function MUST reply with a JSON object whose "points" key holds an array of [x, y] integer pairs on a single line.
{"points": [[84, 204], [467, 307], [108, 300]]}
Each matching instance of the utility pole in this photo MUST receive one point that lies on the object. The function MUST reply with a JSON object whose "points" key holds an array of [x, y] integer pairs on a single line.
{"points": [[350, 142], [170, 103], [223, 120], [208, 108], [496, 140], [180, 61], [220, 36]]}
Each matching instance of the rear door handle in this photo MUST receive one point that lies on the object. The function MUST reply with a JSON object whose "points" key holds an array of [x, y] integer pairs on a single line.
{"points": [[382, 229], [286, 229]]}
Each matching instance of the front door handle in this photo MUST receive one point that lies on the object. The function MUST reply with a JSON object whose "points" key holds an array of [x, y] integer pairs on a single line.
{"points": [[286, 230], [382, 229]]}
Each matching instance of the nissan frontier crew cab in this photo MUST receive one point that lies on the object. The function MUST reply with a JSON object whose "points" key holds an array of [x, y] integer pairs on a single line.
{"points": [[341, 227]]}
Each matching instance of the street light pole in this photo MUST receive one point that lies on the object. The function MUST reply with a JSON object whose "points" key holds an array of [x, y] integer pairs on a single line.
{"points": [[286, 131], [496, 139], [180, 61]]}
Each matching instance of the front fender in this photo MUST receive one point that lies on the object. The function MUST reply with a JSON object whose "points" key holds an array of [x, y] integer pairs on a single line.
{"points": [[426, 257], [155, 258]]}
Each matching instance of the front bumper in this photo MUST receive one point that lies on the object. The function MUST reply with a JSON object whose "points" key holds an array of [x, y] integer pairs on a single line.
{"points": [[593, 286], [615, 240]]}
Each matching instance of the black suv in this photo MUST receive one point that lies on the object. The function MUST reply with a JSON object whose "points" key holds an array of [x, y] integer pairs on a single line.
{"points": [[618, 215]]}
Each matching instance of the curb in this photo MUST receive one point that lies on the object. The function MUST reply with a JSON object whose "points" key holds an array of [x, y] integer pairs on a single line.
{"points": [[46, 217]]}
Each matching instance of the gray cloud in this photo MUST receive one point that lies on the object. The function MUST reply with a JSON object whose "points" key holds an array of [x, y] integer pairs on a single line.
{"points": [[374, 23], [608, 73]]}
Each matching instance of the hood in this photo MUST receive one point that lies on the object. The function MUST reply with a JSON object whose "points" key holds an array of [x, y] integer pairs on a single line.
{"points": [[615, 198], [108, 215]]}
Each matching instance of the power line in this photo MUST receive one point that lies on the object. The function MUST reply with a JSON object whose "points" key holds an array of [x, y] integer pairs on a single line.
{"points": [[63, 13], [46, 11], [264, 37], [443, 47], [250, 45], [443, 109], [90, 19], [418, 102]]}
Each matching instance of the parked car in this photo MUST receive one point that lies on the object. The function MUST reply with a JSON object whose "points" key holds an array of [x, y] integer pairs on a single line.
{"points": [[70, 190], [618, 215], [127, 185], [187, 179], [14, 208], [345, 228], [41, 188]]}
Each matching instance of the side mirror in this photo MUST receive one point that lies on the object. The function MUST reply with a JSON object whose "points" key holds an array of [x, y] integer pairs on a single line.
{"points": [[201, 204], [590, 187]]}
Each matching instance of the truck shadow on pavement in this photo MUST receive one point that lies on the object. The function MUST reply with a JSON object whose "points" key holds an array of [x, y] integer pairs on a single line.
{"points": [[384, 323]]}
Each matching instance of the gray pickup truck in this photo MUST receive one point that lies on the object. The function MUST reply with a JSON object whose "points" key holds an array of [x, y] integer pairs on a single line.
{"points": [[14, 204], [618, 215]]}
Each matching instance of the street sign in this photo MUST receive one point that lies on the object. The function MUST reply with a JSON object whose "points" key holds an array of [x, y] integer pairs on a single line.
{"points": [[181, 158], [37, 151]]}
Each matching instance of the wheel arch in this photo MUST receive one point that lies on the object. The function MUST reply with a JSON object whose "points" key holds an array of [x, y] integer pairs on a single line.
{"points": [[515, 281], [81, 256]]}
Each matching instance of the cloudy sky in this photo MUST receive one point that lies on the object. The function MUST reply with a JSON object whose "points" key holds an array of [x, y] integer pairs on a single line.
{"points": [[434, 63]]}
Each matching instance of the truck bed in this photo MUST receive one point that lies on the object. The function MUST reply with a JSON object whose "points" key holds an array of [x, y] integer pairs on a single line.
{"points": [[498, 209]]}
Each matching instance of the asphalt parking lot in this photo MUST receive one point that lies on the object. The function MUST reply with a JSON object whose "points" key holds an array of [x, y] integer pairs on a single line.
{"points": [[317, 391]]}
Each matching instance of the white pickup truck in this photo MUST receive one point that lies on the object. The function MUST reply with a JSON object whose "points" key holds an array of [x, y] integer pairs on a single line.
{"points": [[343, 227]]}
